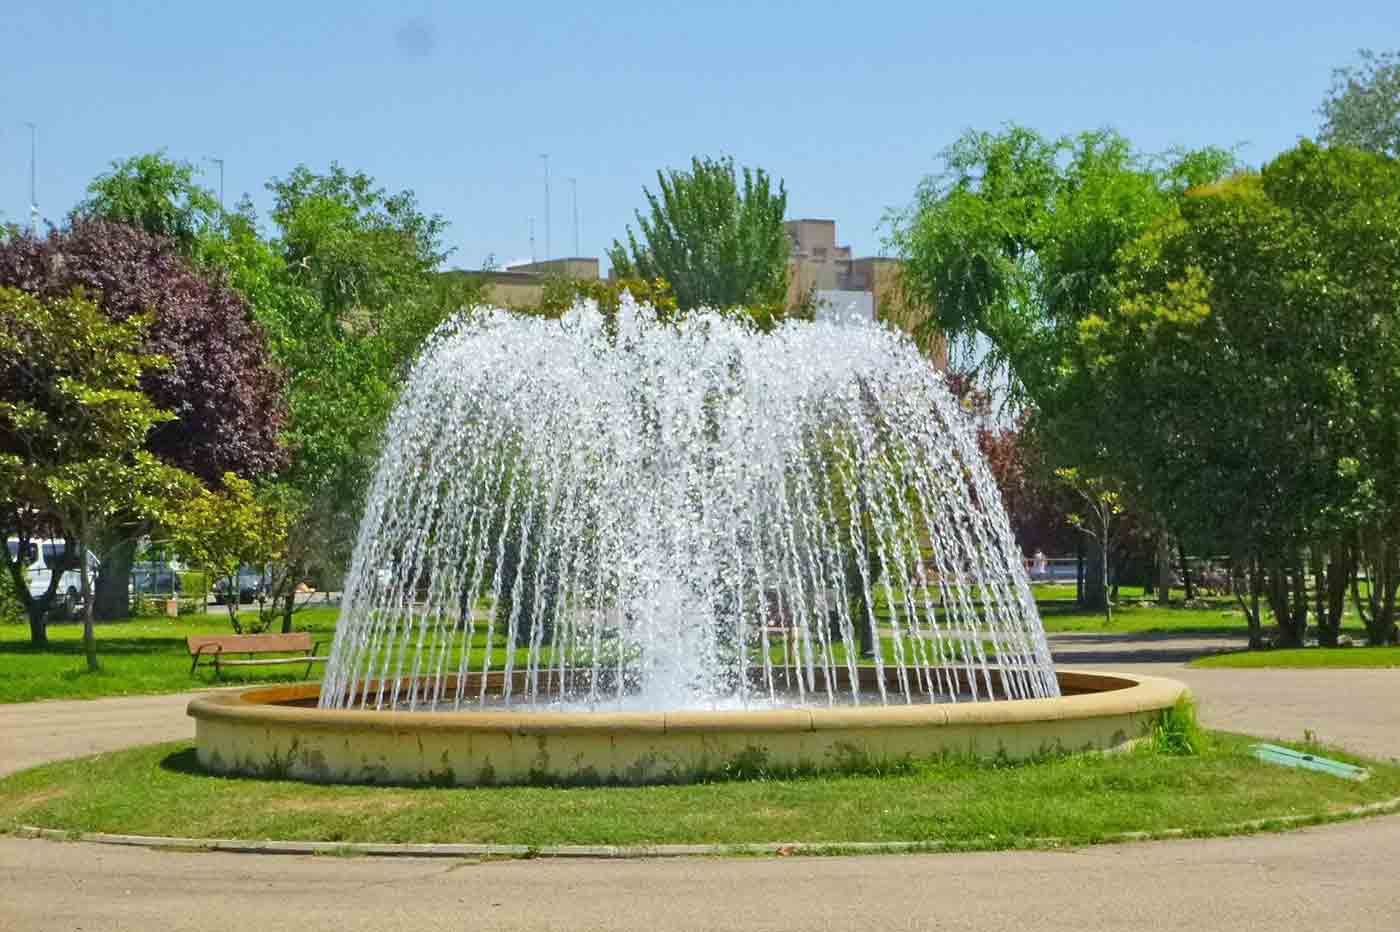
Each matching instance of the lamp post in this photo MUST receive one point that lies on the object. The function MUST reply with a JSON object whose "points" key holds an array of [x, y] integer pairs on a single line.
{"points": [[573, 183], [547, 247], [220, 163], [33, 190]]}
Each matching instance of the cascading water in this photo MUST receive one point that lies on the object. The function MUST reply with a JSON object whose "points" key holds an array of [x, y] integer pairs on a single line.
{"points": [[626, 513]]}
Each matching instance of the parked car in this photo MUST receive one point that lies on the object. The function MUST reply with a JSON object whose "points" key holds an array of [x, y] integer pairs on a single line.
{"points": [[154, 579], [252, 586], [41, 559]]}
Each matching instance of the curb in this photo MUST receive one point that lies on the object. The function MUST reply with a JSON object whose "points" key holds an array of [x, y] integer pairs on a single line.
{"points": [[639, 852]]}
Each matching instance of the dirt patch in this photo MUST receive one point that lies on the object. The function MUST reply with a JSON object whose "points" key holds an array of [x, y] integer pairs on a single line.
{"points": [[37, 798]]}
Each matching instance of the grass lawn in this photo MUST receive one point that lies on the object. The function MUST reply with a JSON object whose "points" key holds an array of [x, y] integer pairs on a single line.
{"points": [[1075, 799], [143, 655], [1295, 658], [149, 655], [1215, 616]]}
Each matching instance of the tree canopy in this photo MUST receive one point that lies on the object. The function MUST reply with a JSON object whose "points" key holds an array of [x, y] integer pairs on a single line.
{"points": [[717, 241], [155, 194], [1253, 366], [1016, 240], [73, 426], [220, 385], [1362, 108]]}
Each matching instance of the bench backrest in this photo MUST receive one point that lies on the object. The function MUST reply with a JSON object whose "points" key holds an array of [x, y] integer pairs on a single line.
{"points": [[249, 643]]}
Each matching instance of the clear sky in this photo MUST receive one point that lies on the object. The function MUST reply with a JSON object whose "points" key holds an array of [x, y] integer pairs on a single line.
{"points": [[849, 103]]}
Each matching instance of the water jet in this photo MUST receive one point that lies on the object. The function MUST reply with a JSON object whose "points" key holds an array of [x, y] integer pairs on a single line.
{"points": [[619, 549]]}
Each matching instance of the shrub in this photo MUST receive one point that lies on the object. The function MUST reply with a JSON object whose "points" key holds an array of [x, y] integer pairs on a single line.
{"points": [[1177, 732], [194, 584], [11, 612]]}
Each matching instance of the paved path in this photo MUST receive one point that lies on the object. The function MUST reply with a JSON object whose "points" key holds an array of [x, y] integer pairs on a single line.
{"points": [[34, 732], [1335, 877], [1341, 877], [1356, 709]]}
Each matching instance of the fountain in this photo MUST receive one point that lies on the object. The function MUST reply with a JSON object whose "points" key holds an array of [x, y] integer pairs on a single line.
{"points": [[613, 548]]}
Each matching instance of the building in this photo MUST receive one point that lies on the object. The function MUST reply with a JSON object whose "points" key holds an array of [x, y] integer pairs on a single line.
{"points": [[819, 269], [841, 285], [523, 285]]}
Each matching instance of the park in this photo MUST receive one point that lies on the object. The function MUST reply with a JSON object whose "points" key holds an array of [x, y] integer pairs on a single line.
{"points": [[755, 584]]}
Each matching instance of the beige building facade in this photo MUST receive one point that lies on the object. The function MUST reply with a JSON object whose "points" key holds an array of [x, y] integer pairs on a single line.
{"points": [[523, 285], [819, 264]]}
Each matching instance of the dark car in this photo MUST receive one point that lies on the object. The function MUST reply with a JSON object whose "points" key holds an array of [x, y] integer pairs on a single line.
{"points": [[154, 580], [251, 587]]}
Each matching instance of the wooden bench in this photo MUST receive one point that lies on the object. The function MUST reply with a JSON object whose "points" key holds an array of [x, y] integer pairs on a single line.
{"points": [[213, 648]]}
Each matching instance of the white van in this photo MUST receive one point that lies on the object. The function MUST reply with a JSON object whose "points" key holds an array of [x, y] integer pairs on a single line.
{"points": [[43, 554]]}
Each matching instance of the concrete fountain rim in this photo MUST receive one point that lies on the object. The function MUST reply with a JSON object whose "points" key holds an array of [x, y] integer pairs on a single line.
{"points": [[1087, 695]]}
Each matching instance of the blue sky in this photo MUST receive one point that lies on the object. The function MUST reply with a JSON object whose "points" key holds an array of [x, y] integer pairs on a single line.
{"points": [[848, 103]]}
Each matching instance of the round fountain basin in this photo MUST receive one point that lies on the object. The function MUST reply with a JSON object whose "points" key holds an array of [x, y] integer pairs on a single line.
{"points": [[277, 731]]}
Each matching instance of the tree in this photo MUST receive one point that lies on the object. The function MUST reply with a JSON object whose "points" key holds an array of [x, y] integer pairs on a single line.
{"points": [[228, 529], [1016, 242], [73, 423], [359, 248], [347, 292], [1362, 108], [1105, 504], [717, 243], [220, 384], [1037, 505], [1255, 350], [154, 194]]}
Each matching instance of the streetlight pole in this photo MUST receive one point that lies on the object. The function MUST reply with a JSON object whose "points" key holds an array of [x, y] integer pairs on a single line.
{"points": [[220, 163], [547, 246], [33, 190], [573, 183]]}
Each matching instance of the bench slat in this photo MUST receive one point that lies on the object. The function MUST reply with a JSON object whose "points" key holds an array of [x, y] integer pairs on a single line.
{"points": [[248, 643], [225, 662]]}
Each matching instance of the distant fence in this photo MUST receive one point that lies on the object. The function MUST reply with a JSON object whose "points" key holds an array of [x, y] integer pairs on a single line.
{"points": [[1209, 575], [1052, 569]]}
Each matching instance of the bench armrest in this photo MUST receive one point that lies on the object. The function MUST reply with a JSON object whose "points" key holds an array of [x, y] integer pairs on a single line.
{"points": [[214, 649]]}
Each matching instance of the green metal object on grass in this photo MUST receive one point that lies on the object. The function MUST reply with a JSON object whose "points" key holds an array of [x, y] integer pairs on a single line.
{"points": [[1287, 757]]}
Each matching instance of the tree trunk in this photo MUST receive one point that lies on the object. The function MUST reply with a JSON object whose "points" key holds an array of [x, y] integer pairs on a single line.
{"points": [[1164, 569], [1079, 571], [1256, 590], [1186, 582], [289, 603], [38, 629], [1288, 599], [113, 596], [1108, 596], [1095, 592], [1334, 569], [89, 603], [1376, 555]]}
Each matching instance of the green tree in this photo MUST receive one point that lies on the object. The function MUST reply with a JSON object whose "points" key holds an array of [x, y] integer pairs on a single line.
{"points": [[153, 193], [347, 291], [73, 425], [1253, 361], [1015, 243], [228, 529], [359, 248], [717, 242], [1362, 108]]}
